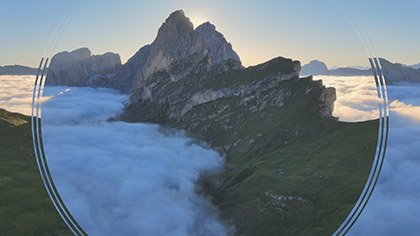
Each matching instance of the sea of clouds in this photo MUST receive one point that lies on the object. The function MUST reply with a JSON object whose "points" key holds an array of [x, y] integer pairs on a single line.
{"points": [[119, 178], [16, 93], [394, 207], [139, 179]]}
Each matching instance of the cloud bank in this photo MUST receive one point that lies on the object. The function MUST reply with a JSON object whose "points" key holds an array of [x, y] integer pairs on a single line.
{"points": [[118, 178], [394, 207], [357, 99], [16, 93], [132, 179]]}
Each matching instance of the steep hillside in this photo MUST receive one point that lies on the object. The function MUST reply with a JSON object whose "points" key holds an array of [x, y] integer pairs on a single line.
{"points": [[25, 207], [291, 168]]}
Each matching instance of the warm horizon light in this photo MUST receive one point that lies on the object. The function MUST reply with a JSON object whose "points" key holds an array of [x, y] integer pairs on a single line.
{"points": [[258, 32]]}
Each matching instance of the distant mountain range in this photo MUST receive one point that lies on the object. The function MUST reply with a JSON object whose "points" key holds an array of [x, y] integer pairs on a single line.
{"points": [[415, 66], [316, 67], [393, 72], [288, 160], [263, 118], [17, 70]]}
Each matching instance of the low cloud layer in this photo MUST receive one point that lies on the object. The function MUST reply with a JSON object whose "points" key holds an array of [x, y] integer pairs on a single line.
{"points": [[137, 179], [394, 207], [16, 93], [125, 179], [357, 98]]}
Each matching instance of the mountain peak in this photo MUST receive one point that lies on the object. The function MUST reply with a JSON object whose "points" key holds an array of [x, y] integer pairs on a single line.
{"points": [[220, 49], [206, 26], [177, 24], [178, 14]]}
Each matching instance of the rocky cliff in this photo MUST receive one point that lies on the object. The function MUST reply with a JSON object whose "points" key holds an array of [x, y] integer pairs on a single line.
{"points": [[287, 159], [177, 50], [80, 67]]}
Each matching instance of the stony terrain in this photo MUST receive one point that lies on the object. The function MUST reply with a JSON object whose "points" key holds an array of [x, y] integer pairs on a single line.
{"points": [[291, 167], [80, 67]]}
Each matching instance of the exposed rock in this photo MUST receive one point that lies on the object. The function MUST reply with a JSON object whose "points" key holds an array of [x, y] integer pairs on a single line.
{"points": [[127, 74], [80, 67], [177, 51], [219, 49], [280, 171], [328, 97], [395, 72]]}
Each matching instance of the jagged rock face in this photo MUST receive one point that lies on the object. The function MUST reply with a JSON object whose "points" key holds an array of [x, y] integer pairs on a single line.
{"points": [[328, 97], [253, 89], [178, 50], [395, 72], [176, 44], [127, 74], [79, 67], [220, 49]]}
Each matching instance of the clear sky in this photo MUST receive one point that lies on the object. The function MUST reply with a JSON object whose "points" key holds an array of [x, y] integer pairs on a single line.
{"points": [[258, 30]]}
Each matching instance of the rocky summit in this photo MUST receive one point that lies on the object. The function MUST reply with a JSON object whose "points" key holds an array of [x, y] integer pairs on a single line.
{"points": [[80, 67], [291, 167], [177, 50]]}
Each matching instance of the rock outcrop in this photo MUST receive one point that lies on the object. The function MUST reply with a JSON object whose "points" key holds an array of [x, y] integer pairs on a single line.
{"points": [[80, 67], [395, 72], [177, 50], [180, 70], [328, 97]]}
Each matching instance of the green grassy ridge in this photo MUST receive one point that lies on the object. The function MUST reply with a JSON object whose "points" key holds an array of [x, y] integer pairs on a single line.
{"points": [[325, 162], [25, 208]]}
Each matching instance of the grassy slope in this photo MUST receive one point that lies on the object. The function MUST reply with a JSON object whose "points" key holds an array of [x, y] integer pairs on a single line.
{"points": [[25, 208], [325, 162]]}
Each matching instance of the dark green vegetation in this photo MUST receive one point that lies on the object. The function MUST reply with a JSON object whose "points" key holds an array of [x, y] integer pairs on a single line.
{"points": [[290, 170], [25, 208]]}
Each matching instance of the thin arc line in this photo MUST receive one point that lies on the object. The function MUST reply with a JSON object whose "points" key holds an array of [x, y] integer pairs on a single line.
{"points": [[386, 117], [362, 30], [376, 175], [54, 188], [367, 43], [56, 195], [62, 27], [356, 26], [33, 128], [44, 173], [362, 199], [376, 180], [383, 82], [47, 178], [386, 122]]}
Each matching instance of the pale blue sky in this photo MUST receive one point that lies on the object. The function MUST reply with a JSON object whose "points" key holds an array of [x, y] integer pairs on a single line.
{"points": [[258, 30]]}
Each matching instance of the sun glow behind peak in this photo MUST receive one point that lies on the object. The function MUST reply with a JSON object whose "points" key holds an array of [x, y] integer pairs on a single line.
{"points": [[198, 20]]}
